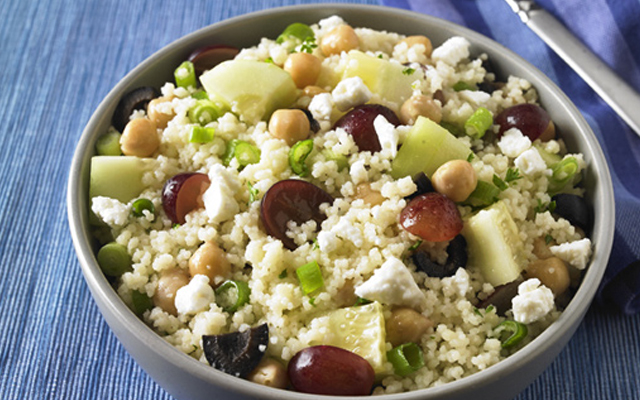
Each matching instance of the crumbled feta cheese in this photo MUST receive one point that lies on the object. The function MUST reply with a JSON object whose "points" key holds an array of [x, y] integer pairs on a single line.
{"points": [[387, 135], [392, 284], [110, 211], [513, 143], [219, 201], [530, 162], [575, 253], [452, 51], [350, 92], [196, 296], [321, 106], [477, 97], [458, 282], [533, 301], [358, 172]]}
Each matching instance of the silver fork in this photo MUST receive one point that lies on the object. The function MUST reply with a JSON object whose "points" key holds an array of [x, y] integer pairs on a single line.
{"points": [[618, 94]]}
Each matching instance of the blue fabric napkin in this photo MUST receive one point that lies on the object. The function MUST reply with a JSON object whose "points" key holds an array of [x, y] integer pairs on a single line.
{"points": [[611, 29]]}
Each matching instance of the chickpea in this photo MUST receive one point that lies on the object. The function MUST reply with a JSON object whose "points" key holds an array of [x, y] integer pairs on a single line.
{"points": [[456, 179], [270, 372], [541, 249], [549, 133], [420, 105], [419, 39], [290, 125], [139, 138], [370, 196], [168, 284], [406, 325], [211, 261], [304, 68], [346, 295], [156, 112], [339, 39], [552, 272], [311, 91]]}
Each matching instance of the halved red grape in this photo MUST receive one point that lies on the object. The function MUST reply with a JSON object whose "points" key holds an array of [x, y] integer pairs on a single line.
{"points": [[432, 216], [331, 370], [205, 58], [291, 200], [359, 123], [183, 193], [530, 119]]}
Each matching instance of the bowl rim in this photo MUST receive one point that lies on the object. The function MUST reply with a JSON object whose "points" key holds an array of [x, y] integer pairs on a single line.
{"points": [[109, 301]]}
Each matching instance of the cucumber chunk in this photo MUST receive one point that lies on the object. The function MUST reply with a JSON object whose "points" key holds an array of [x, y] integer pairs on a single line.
{"points": [[391, 80], [358, 329], [252, 89], [427, 146], [494, 244], [118, 177]]}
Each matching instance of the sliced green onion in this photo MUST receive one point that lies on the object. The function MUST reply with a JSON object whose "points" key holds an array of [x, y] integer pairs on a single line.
{"points": [[185, 75], [563, 172], [406, 359], [232, 295], [461, 85], [298, 155], [140, 205], [203, 112], [484, 194], [201, 134], [454, 129], [340, 159], [141, 302], [200, 95], [296, 30], [109, 144], [283, 274], [253, 193], [478, 123], [244, 152], [310, 277], [114, 260], [511, 333]]}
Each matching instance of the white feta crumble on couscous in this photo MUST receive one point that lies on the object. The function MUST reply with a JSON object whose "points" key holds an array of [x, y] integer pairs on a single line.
{"points": [[533, 301]]}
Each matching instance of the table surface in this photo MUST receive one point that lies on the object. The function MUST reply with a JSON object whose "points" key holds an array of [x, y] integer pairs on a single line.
{"points": [[58, 60]]}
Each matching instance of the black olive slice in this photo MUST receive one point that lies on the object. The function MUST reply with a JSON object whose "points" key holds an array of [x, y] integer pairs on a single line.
{"points": [[574, 209], [423, 183], [457, 258], [502, 296], [236, 353], [313, 123], [137, 99]]}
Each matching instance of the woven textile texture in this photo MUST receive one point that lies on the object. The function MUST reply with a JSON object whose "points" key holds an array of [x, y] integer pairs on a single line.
{"points": [[60, 58]]}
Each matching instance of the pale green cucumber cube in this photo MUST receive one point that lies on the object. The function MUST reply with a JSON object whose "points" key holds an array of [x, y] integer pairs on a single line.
{"points": [[391, 80], [118, 177], [427, 146], [359, 329], [494, 244], [251, 89]]}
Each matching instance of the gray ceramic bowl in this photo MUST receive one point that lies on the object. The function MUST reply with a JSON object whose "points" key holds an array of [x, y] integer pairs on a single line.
{"points": [[186, 378]]}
